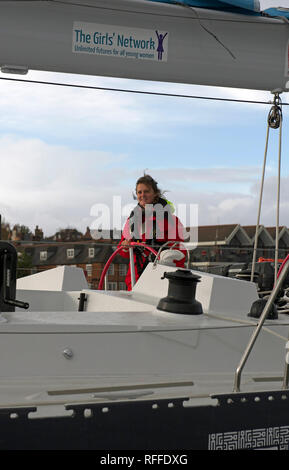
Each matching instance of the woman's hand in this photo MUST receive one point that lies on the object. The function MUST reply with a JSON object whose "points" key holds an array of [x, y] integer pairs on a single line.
{"points": [[125, 244]]}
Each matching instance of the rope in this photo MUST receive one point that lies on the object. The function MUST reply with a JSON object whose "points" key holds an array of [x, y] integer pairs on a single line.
{"points": [[141, 92], [274, 121], [260, 205], [277, 122]]}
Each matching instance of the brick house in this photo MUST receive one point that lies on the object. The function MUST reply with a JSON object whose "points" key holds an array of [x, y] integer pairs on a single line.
{"points": [[233, 243], [89, 255], [221, 243]]}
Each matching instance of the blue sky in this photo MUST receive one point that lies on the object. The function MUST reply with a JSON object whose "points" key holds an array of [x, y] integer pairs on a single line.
{"points": [[64, 150]]}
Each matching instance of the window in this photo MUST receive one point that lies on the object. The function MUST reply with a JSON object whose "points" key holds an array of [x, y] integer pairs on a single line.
{"points": [[89, 269], [43, 255], [70, 253], [91, 252], [112, 285], [110, 271], [122, 269], [122, 286]]}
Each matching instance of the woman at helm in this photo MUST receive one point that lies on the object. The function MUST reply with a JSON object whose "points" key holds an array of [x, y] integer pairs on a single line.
{"points": [[151, 222]]}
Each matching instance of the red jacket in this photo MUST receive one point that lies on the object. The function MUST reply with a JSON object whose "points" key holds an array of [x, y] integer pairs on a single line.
{"points": [[154, 228]]}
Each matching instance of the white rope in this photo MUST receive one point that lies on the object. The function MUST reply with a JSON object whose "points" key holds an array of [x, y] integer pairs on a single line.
{"points": [[278, 202], [274, 122], [260, 205]]}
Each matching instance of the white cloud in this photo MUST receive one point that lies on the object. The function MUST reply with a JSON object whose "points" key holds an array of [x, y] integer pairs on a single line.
{"points": [[273, 3], [63, 113], [239, 174], [60, 111], [52, 186], [56, 186], [225, 207]]}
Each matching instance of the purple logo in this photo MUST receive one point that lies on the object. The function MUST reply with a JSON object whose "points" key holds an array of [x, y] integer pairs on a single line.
{"points": [[160, 48]]}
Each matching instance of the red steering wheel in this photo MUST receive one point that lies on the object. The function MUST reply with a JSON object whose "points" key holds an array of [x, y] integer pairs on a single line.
{"points": [[282, 266], [108, 263]]}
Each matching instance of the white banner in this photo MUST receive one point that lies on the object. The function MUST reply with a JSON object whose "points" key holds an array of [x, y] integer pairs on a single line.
{"points": [[121, 42]]}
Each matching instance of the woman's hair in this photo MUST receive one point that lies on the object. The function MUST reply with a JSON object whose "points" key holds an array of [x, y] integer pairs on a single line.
{"points": [[149, 181]]}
